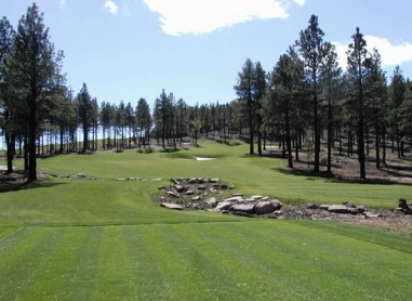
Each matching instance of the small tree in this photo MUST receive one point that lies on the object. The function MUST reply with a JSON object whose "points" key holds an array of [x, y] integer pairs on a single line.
{"points": [[143, 119], [85, 111]]}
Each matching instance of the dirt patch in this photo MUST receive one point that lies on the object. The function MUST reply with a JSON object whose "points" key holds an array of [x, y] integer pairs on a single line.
{"points": [[396, 171]]}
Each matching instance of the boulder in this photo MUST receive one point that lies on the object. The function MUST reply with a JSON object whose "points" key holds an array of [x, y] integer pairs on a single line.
{"points": [[353, 210], [404, 207], [338, 209], [173, 194], [245, 208], [238, 199], [179, 188], [171, 206], [264, 207], [277, 204], [212, 202], [225, 205]]}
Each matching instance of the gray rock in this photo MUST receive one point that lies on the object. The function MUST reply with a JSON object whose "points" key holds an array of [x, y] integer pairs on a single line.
{"points": [[277, 204], [264, 207], [238, 199], [367, 214], [353, 210], [246, 208], [225, 205], [212, 202], [179, 188], [173, 194], [338, 209], [172, 206]]}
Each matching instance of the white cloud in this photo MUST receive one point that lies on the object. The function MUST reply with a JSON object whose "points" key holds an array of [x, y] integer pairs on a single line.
{"points": [[179, 17], [111, 7], [62, 3], [300, 2], [391, 54]]}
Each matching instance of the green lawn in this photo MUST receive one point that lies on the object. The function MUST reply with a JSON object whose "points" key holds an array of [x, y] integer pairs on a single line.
{"points": [[103, 239]]}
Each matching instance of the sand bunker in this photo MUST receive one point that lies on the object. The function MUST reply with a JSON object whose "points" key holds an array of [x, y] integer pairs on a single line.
{"points": [[204, 159]]}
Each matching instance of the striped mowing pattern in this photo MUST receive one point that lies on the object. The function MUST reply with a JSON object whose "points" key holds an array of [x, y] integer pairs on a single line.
{"points": [[262, 260]]}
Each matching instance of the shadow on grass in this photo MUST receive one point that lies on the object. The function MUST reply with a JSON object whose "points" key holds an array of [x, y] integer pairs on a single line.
{"points": [[228, 142], [7, 187]]}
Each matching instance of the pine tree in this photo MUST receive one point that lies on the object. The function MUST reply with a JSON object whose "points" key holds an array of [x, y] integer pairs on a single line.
{"points": [[9, 112], [311, 47], [85, 111], [36, 69], [357, 57]]}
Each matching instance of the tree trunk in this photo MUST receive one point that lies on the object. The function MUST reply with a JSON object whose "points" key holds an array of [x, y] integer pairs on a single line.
{"points": [[384, 145], [32, 176], [10, 143], [330, 134], [317, 133], [251, 146], [377, 143]]}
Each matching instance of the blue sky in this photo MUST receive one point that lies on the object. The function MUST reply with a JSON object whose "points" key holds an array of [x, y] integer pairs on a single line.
{"points": [[128, 49]]}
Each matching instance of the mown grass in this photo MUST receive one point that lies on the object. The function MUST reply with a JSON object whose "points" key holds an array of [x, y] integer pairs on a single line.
{"points": [[263, 260], [103, 239]]}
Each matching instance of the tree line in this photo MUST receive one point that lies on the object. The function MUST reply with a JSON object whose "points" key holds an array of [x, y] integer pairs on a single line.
{"points": [[306, 99]]}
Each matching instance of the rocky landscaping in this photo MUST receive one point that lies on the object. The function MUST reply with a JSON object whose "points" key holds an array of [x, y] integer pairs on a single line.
{"points": [[214, 195]]}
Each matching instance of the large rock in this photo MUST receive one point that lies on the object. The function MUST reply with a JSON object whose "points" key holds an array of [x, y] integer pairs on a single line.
{"points": [[237, 199], [264, 207], [171, 206], [278, 204], [404, 207], [225, 205], [211, 202], [246, 208], [338, 209]]}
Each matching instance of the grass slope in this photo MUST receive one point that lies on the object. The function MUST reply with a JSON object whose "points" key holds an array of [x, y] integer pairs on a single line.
{"points": [[103, 239]]}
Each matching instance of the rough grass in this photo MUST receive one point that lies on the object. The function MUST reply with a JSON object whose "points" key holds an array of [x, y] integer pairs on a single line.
{"points": [[103, 239]]}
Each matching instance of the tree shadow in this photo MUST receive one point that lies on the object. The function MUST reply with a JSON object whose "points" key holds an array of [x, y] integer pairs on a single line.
{"points": [[8, 187], [228, 142]]}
